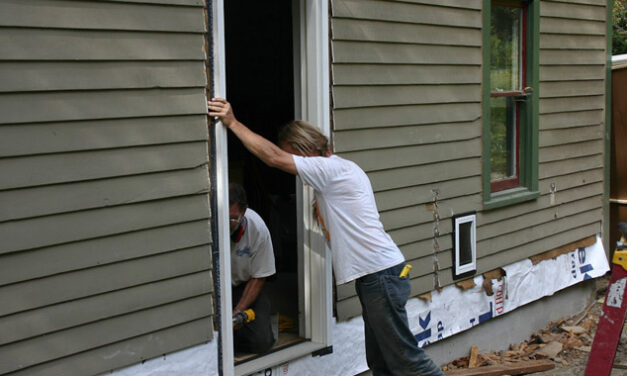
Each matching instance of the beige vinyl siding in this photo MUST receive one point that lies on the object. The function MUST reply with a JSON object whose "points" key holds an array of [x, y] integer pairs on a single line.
{"points": [[407, 109], [104, 218]]}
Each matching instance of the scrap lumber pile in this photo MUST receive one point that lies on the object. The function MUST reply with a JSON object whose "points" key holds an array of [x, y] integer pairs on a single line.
{"points": [[558, 343]]}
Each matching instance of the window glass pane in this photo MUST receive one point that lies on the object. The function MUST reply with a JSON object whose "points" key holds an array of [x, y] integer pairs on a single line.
{"points": [[503, 131], [465, 243], [505, 48]]}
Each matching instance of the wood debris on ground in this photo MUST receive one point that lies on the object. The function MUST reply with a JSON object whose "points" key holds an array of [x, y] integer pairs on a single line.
{"points": [[557, 343]]}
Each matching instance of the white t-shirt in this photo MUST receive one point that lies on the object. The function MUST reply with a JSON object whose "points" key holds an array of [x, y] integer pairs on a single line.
{"points": [[359, 243], [252, 256]]}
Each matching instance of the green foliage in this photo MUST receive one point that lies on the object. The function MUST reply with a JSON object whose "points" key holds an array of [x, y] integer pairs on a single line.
{"points": [[619, 39]]}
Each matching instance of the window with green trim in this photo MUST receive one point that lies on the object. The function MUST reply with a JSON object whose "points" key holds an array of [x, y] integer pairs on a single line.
{"points": [[510, 140]]}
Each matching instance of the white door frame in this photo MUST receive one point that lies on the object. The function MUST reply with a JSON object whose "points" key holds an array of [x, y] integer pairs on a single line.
{"points": [[312, 103]]}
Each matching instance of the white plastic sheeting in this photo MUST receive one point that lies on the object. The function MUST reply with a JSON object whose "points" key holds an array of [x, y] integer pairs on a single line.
{"points": [[450, 311]]}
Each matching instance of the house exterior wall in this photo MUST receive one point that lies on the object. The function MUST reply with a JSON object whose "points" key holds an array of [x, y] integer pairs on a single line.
{"points": [[406, 93], [105, 254]]}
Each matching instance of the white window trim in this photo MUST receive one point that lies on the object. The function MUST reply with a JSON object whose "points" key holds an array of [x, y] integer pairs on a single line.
{"points": [[471, 266], [315, 259]]}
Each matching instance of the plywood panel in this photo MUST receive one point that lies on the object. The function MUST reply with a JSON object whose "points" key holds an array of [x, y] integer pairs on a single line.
{"points": [[70, 75], [381, 53], [370, 96], [63, 228], [423, 174], [412, 155], [19, 266], [88, 165], [98, 280], [54, 199], [367, 139], [406, 13], [376, 117], [404, 74], [127, 352], [375, 31], [91, 309], [94, 105], [53, 346], [99, 15], [33, 44]]}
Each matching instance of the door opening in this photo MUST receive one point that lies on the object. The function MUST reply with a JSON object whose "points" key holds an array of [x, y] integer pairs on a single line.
{"points": [[260, 85]]}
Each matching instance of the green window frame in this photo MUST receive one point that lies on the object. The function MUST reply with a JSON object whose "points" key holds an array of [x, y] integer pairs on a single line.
{"points": [[522, 185]]}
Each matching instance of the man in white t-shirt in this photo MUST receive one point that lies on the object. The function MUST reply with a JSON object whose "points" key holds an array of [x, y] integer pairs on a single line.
{"points": [[252, 260], [362, 250]]}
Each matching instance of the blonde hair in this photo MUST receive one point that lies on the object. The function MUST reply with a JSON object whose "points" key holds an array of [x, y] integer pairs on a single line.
{"points": [[304, 137]]}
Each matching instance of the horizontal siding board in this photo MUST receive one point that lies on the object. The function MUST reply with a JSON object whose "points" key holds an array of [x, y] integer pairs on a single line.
{"points": [[557, 105], [65, 228], [375, 117], [423, 194], [370, 96], [600, 3], [466, 4], [514, 254], [53, 346], [54, 199], [93, 105], [573, 119], [571, 88], [64, 287], [545, 217], [100, 15], [530, 234], [366, 139], [412, 155], [575, 72], [385, 53], [19, 266], [423, 265], [94, 308], [423, 246], [26, 44], [559, 152], [574, 11], [424, 174], [374, 31], [574, 187], [570, 166], [46, 138], [127, 352], [571, 42], [398, 74], [72, 167], [195, 3], [571, 26], [566, 136], [572, 57], [402, 12], [68, 75]]}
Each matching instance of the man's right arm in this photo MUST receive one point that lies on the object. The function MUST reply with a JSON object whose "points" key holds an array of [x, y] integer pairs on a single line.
{"points": [[263, 149]]}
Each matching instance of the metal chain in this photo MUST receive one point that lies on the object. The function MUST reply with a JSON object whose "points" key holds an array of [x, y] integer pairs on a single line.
{"points": [[436, 243]]}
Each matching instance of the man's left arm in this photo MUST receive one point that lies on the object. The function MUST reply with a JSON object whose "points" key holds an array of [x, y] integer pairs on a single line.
{"points": [[250, 294]]}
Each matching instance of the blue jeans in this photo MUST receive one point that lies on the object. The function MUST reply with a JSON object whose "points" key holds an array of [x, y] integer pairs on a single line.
{"points": [[391, 348]]}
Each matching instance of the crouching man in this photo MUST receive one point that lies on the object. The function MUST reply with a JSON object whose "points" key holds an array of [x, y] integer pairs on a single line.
{"points": [[252, 260]]}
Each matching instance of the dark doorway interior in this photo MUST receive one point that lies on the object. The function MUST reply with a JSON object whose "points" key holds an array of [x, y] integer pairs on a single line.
{"points": [[260, 87]]}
